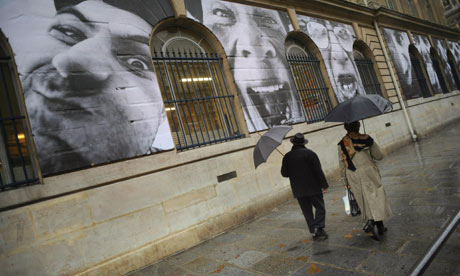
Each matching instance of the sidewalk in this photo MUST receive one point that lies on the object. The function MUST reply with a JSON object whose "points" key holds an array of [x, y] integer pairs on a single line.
{"points": [[422, 182]]}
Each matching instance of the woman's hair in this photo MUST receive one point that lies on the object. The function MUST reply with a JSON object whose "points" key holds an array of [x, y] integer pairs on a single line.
{"points": [[352, 127]]}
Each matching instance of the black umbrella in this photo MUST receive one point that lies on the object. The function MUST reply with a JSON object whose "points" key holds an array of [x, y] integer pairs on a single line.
{"points": [[358, 108], [268, 143]]}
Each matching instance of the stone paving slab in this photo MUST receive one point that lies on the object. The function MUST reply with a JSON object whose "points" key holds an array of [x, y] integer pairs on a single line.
{"points": [[422, 181]]}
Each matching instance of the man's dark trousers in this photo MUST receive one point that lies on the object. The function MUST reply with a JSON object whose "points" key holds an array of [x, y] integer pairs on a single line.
{"points": [[319, 219]]}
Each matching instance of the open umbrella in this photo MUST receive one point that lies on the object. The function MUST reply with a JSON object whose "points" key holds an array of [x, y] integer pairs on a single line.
{"points": [[358, 108], [268, 143]]}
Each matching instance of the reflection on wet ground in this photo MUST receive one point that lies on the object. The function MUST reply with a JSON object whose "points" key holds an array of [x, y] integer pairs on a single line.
{"points": [[422, 182]]}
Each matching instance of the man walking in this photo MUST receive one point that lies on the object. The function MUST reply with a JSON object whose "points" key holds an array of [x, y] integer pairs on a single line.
{"points": [[308, 184]]}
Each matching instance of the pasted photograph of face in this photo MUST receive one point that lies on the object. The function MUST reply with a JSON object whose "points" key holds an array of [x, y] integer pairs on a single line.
{"points": [[442, 51], [423, 45], [89, 85], [335, 41], [253, 39], [398, 43], [455, 49]]}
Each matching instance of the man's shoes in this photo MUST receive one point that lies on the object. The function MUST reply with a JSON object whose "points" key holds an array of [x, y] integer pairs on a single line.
{"points": [[320, 235]]}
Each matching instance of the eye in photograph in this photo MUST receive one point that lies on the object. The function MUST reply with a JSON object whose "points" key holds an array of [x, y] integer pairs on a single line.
{"points": [[139, 65], [223, 16], [67, 34]]}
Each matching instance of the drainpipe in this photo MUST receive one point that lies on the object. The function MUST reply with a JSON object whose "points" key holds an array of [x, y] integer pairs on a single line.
{"points": [[395, 83]]}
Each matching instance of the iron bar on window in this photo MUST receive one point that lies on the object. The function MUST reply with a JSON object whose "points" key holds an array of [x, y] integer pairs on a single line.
{"points": [[311, 86], [368, 77], [420, 77], [198, 104]]}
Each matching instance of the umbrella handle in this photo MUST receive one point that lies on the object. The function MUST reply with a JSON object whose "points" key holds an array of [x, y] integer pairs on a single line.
{"points": [[364, 128]]}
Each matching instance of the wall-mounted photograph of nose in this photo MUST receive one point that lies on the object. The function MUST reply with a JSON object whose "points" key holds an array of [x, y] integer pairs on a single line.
{"points": [[253, 39], [90, 89], [335, 42]]}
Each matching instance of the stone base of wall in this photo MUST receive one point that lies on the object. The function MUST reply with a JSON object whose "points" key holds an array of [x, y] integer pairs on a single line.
{"points": [[188, 238]]}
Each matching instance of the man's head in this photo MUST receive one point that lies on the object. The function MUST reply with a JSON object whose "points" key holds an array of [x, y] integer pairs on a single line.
{"points": [[335, 40], [254, 41], [92, 94], [398, 42], [298, 139]]}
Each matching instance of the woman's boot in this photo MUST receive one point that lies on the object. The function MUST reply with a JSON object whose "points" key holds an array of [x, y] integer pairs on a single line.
{"points": [[381, 229], [370, 229]]}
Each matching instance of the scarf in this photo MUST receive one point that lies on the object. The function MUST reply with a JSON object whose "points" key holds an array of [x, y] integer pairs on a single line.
{"points": [[350, 144]]}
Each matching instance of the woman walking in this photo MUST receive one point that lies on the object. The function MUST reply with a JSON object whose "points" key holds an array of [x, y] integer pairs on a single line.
{"points": [[357, 155]]}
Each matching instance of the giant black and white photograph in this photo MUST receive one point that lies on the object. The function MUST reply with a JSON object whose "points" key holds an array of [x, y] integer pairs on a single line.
{"points": [[335, 41], [398, 43], [441, 48], [253, 39], [455, 50], [422, 43], [90, 89]]}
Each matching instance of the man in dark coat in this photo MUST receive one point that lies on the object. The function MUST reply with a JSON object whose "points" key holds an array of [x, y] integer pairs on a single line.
{"points": [[308, 184]]}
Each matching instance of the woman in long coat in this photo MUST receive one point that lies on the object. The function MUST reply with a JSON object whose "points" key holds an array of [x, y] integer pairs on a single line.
{"points": [[357, 155]]}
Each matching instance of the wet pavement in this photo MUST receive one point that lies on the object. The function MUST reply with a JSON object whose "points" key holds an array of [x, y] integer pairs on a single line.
{"points": [[422, 183]]}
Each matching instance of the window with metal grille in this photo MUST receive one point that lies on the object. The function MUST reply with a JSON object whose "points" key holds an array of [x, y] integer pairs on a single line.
{"points": [[367, 73], [198, 103], [454, 73], [419, 76], [16, 165], [309, 81]]}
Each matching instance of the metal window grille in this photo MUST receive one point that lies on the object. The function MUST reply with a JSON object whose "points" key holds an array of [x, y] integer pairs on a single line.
{"points": [[310, 85], [420, 77], [16, 166], [437, 69], [198, 104], [368, 77]]}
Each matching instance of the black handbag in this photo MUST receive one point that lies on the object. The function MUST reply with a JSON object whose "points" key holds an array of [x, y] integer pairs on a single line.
{"points": [[354, 208]]}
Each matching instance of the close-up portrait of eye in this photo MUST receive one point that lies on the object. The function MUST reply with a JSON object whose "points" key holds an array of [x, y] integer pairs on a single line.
{"points": [[67, 34], [342, 33], [137, 64]]}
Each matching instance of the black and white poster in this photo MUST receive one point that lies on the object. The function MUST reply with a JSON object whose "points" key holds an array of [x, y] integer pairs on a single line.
{"points": [[335, 41], [253, 39], [398, 42], [455, 50], [441, 48], [90, 90], [422, 43]]}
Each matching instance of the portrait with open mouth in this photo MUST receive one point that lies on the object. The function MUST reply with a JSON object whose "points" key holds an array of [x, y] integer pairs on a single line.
{"points": [[335, 41], [90, 89], [253, 39]]}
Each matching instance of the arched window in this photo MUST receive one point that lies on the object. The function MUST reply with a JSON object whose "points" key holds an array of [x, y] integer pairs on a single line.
{"points": [[419, 73], [311, 86], [17, 167], [437, 69], [198, 103], [367, 72]]}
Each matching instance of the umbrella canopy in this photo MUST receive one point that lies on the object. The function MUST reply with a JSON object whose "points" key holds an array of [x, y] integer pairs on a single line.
{"points": [[358, 108], [268, 143]]}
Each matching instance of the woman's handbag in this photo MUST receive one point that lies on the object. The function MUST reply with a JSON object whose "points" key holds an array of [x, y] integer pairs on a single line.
{"points": [[354, 208]]}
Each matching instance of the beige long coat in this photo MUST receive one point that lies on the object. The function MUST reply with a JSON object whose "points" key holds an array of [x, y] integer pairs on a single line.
{"points": [[366, 183]]}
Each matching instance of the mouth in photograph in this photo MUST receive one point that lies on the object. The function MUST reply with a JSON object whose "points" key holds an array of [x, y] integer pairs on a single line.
{"points": [[267, 87], [347, 83]]}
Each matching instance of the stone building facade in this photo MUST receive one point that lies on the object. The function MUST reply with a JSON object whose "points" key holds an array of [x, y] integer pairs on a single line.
{"points": [[128, 127]]}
